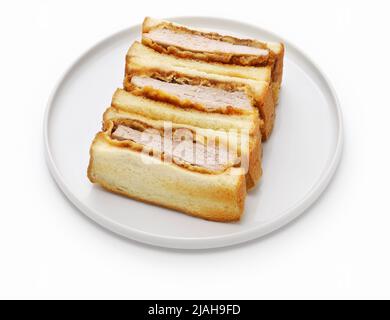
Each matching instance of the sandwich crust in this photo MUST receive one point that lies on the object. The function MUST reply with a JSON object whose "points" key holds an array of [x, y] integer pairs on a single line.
{"points": [[277, 73]]}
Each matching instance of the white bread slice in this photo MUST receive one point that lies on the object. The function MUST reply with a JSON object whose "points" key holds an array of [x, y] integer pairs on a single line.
{"points": [[121, 169], [260, 91], [274, 59], [248, 148]]}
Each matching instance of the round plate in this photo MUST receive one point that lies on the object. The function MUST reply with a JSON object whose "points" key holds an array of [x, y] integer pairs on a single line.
{"points": [[299, 159]]}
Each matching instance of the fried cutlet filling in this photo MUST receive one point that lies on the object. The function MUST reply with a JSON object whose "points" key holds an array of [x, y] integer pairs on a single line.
{"points": [[198, 43], [182, 148], [210, 97]]}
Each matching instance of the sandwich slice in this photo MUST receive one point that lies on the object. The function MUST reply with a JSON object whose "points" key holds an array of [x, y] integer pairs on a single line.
{"points": [[184, 42], [240, 129], [139, 53], [189, 88], [181, 171]]}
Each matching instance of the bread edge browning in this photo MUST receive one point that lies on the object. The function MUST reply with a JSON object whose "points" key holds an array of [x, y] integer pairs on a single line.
{"points": [[277, 74], [255, 170]]}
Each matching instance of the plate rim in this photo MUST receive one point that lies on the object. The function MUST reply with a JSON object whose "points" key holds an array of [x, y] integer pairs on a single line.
{"points": [[255, 232]]}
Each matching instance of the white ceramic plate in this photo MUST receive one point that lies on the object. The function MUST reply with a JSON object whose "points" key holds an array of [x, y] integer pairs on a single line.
{"points": [[299, 159]]}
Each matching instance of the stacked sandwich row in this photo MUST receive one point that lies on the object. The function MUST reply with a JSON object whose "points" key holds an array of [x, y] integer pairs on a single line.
{"points": [[186, 130]]}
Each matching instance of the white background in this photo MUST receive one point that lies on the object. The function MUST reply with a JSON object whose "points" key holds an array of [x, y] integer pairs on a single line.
{"points": [[339, 249]]}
